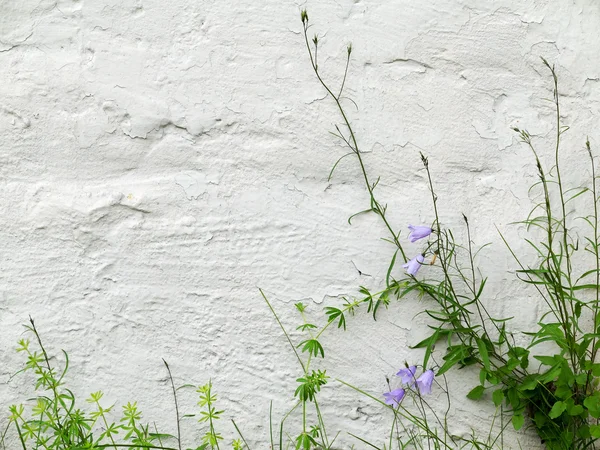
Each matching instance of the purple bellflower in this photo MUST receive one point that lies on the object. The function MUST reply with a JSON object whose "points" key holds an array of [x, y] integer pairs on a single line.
{"points": [[418, 232], [413, 266], [394, 398], [408, 375], [425, 381]]}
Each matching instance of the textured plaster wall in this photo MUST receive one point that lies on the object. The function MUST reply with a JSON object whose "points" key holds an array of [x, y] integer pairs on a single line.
{"points": [[160, 161]]}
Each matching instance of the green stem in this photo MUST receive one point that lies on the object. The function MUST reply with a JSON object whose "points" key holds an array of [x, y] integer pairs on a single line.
{"points": [[20, 435], [176, 404], [242, 436], [210, 415], [283, 329], [282, 423], [321, 424], [101, 411], [565, 232], [596, 308]]}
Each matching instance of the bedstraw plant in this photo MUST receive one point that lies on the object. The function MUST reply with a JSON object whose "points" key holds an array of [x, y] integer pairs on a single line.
{"points": [[53, 419]]}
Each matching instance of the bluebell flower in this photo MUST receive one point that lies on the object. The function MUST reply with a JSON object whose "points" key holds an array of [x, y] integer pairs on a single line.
{"points": [[413, 266], [408, 375], [425, 381], [394, 397], [418, 232]]}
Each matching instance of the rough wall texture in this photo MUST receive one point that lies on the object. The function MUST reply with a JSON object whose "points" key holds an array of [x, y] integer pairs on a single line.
{"points": [[160, 161]]}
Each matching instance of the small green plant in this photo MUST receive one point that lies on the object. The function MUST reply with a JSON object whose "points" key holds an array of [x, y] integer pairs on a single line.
{"points": [[55, 422], [209, 415]]}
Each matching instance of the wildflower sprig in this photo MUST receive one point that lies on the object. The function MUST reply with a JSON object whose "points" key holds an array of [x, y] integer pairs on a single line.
{"points": [[443, 246], [561, 397]]}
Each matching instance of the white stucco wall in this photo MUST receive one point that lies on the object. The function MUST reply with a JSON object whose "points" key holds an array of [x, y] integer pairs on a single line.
{"points": [[160, 161]]}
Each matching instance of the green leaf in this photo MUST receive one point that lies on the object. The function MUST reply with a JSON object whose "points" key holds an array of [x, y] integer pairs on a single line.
{"points": [[551, 375], [592, 403], [578, 310], [558, 408], [338, 161], [456, 354], [313, 347], [358, 214], [497, 397], [563, 392], [581, 378], [518, 420], [595, 431], [335, 313], [429, 343], [483, 374], [387, 277], [306, 326], [483, 353], [476, 393], [529, 382], [575, 410], [584, 432]]}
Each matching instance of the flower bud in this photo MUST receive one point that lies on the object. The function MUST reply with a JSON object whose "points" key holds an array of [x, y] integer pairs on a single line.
{"points": [[304, 16]]}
